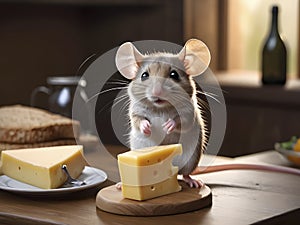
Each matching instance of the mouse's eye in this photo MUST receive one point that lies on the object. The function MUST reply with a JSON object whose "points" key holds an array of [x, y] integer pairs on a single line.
{"points": [[145, 76], [174, 75]]}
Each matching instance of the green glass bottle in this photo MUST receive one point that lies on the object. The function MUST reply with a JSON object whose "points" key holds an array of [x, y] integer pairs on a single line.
{"points": [[274, 55]]}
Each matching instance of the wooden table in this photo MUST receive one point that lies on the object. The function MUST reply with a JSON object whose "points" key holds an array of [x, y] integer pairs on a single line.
{"points": [[239, 197]]}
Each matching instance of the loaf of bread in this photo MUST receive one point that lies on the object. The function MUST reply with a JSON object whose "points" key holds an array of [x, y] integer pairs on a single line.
{"points": [[27, 125]]}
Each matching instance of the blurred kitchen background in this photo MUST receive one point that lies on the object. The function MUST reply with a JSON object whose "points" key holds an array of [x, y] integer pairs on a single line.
{"points": [[42, 38]]}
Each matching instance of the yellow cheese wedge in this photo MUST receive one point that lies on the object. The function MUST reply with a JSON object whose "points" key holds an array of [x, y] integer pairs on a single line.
{"points": [[140, 193], [41, 167], [150, 155], [148, 173]]}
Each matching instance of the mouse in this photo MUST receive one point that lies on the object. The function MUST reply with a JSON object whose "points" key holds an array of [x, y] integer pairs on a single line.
{"points": [[164, 108], [162, 94]]}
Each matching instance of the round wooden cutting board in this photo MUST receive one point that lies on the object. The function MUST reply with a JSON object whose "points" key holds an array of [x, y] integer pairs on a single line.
{"points": [[110, 199]]}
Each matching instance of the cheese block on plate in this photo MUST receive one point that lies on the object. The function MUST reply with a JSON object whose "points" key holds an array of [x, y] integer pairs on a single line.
{"points": [[149, 173], [41, 167]]}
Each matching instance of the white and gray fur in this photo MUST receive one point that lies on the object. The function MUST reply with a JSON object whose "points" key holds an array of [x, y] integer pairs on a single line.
{"points": [[180, 104], [183, 107]]}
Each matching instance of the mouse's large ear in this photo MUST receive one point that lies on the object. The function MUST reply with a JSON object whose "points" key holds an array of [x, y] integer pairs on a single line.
{"points": [[196, 57], [128, 59]]}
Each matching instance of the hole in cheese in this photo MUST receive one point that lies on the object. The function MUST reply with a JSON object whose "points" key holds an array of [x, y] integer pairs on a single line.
{"points": [[152, 188]]}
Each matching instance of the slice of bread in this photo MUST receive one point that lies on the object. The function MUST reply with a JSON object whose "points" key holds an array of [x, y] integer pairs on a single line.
{"points": [[27, 125], [6, 146]]}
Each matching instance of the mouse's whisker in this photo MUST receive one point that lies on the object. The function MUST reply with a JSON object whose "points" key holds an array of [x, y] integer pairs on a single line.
{"points": [[113, 89], [181, 99], [104, 108], [202, 102], [139, 100], [206, 93], [182, 103], [118, 82], [120, 100], [107, 106], [122, 96], [93, 97], [127, 133], [124, 106], [121, 78], [124, 99], [140, 94], [105, 91], [210, 95]]}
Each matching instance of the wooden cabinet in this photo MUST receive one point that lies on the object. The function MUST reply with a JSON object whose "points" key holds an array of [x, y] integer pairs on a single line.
{"points": [[257, 115]]}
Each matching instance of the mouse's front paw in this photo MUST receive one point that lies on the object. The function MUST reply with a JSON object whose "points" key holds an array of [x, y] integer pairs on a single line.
{"points": [[169, 126], [145, 127]]}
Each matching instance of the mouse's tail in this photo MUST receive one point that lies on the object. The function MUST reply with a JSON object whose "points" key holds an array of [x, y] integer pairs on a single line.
{"points": [[243, 166]]}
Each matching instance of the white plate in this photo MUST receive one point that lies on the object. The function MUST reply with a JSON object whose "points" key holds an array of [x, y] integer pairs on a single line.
{"points": [[92, 177], [291, 155], [286, 152]]}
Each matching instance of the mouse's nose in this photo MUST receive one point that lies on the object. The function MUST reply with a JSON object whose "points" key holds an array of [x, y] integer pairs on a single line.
{"points": [[157, 87], [157, 90]]}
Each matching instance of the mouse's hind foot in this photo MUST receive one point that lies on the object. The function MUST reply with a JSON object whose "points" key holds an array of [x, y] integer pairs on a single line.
{"points": [[118, 186], [192, 183]]}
